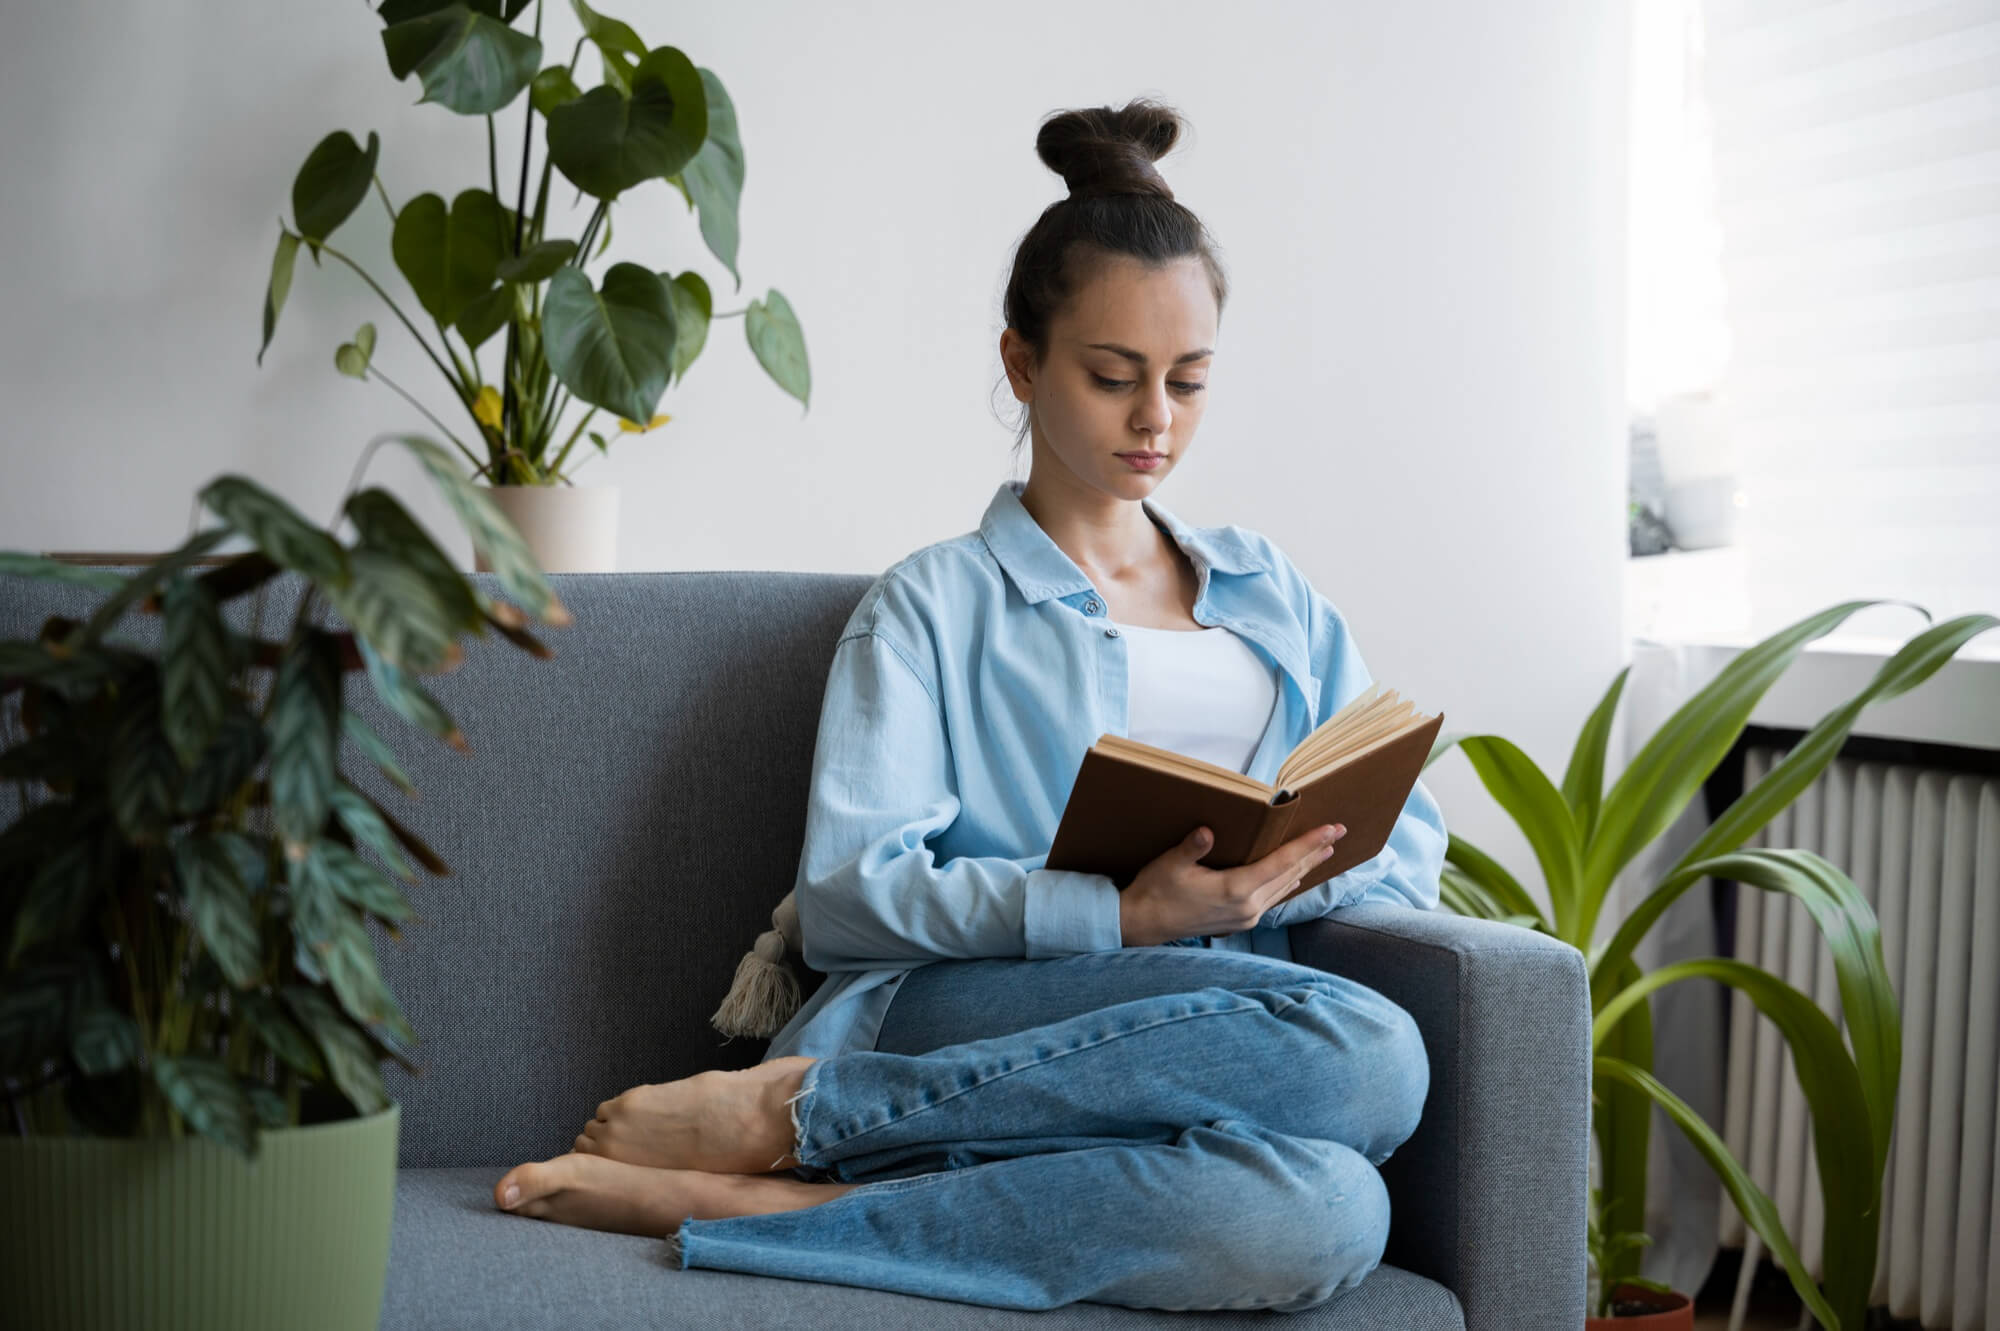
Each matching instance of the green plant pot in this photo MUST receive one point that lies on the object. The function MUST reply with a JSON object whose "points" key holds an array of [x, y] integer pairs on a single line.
{"points": [[112, 1232]]}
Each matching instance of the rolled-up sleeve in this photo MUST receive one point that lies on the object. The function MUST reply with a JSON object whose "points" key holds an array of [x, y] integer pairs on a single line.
{"points": [[1405, 871], [870, 892]]}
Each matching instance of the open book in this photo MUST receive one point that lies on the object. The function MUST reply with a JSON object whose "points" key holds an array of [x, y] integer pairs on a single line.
{"points": [[1132, 802]]}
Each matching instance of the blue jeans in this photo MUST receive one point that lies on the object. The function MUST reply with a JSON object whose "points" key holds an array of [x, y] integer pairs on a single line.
{"points": [[1156, 1127]]}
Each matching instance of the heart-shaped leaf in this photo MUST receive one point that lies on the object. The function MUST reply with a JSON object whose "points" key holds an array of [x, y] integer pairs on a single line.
{"points": [[538, 263], [619, 45], [450, 258], [693, 304], [352, 358], [279, 287], [552, 88], [468, 61], [332, 183], [605, 142], [485, 315], [493, 536], [613, 348], [779, 343], [713, 181]]}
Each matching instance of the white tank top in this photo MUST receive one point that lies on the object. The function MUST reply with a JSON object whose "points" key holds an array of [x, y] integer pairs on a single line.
{"points": [[1202, 692]]}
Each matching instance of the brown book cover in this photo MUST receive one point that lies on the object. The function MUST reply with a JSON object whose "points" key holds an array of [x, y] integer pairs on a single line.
{"points": [[1132, 802]]}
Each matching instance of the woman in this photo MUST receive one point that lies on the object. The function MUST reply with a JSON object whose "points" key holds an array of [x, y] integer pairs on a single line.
{"points": [[1020, 1086]]}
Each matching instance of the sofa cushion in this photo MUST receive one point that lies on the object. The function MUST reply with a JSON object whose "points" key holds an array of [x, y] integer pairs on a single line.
{"points": [[458, 1262]]}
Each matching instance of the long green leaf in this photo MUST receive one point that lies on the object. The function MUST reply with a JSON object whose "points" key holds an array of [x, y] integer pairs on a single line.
{"points": [[1520, 788], [140, 585], [492, 534], [1502, 887], [195, 670], [1842, 1132], [283, 259], [1756, 1206], [350, 1060], [220, 905], [1623, 1125], [377, 751], [1655, 787], [385, 525], [398, 611], [276, 528], [144, 775], [1583, 783], [22, 564], [1844, 918], [408, 699], [1916, 661], [305, 725]]}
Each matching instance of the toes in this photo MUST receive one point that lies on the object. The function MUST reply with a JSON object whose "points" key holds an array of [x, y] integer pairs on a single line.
{"points": [[522, 1187]]}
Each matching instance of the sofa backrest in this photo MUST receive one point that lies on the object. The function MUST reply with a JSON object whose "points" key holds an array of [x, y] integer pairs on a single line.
{"points": [[630, 813]]}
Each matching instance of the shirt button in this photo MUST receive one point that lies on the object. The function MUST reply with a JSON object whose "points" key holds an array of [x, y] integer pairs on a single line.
{"points": [[1111, 633], [1090, 607]]}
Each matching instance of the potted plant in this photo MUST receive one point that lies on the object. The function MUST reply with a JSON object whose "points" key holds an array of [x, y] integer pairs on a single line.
{"points": [[191, 1018], [478, 267], [1583, 835]]}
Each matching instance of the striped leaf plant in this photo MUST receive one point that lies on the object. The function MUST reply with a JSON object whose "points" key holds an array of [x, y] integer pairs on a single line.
{"points": [[1583, 835], [185, 873]]}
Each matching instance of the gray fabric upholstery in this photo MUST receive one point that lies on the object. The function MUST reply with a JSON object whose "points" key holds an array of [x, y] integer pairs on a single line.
{"points": [[630, 814]]}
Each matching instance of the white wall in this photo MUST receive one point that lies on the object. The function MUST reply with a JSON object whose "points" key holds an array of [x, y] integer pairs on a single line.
{"points": [[1419, 386]]}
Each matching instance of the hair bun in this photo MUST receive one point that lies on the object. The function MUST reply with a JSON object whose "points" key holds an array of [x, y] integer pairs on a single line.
{"points": [[1100, 150]]}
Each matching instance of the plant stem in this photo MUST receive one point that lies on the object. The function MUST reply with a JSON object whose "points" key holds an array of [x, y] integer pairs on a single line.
{"points": [[570, 443], [399, 314], [492, 160], [385, 201], [427, 415], [589, 233]]}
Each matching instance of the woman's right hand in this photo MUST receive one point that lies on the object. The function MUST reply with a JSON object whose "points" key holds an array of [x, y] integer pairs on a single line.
{"points": [[1176, 897]]}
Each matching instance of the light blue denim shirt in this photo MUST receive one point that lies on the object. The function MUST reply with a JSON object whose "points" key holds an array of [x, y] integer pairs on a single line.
{"points": [[964, 691]]}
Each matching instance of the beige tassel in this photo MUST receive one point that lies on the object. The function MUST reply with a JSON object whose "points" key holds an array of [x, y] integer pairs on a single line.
{"points": [[765, 993]]}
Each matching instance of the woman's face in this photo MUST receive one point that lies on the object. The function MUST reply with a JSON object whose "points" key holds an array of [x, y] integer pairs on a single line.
{"points": [[1126, 372]]}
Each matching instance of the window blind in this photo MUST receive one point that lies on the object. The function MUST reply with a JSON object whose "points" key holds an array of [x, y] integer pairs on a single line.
{"points": [[1857, 187]]}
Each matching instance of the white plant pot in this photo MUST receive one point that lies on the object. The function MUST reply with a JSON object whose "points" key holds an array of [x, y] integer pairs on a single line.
{"points": [[568, 528]]}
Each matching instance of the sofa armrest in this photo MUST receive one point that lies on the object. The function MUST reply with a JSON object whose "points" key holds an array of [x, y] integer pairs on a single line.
{"points": [[1490, 1195]]}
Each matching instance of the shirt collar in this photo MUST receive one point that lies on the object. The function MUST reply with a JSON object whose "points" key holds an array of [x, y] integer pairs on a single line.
{"points": [[1040, 569]]}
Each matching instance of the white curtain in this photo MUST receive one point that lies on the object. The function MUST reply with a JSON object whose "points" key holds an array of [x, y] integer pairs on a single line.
{"points": [[1856, 160]]}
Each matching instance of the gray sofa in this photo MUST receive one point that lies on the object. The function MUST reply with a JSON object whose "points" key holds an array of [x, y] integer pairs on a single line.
{"points": [[630, 813]]}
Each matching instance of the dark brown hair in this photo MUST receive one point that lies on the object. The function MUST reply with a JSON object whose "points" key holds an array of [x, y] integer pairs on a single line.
{"points": [[1118, 204]]}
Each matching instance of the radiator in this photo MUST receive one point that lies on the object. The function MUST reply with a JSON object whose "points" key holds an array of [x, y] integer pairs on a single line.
{"points": [[1923, 845]]}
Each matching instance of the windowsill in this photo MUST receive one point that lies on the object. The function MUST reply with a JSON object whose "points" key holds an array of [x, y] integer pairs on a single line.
{"points": [[1691, 602]]}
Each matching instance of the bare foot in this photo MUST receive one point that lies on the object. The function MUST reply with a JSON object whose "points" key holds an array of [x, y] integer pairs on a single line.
{"points": [[595, 1193], [714, 1122]]}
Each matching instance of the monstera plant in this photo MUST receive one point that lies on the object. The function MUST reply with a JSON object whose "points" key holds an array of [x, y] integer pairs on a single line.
{"points": [[483, 263], [1583, 836]]}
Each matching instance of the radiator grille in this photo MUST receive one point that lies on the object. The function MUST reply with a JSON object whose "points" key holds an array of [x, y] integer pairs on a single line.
{"points": [[1923, 845]]}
